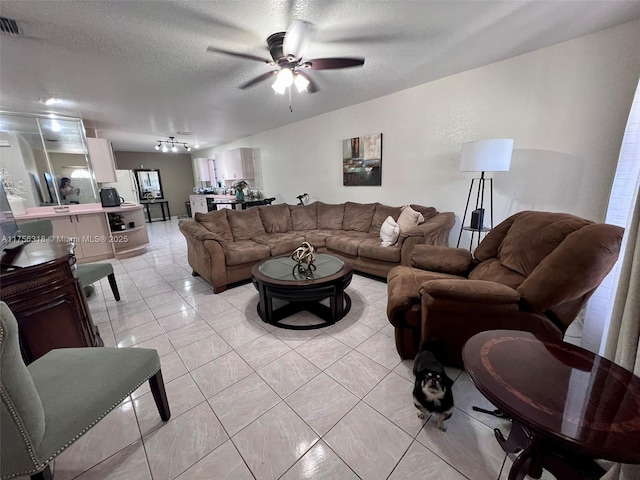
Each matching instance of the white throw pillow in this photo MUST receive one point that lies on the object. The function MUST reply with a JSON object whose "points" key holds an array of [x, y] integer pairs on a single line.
{"points": [[409, 218], [389, 232]]}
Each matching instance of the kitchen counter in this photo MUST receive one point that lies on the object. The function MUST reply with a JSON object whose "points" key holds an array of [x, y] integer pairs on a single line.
{"points": [[75, 209], [212, 195], [207, 202], [89, 227]]}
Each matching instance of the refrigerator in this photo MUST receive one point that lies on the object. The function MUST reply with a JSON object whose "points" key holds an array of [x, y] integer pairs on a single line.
{"points": [[126, 185]]}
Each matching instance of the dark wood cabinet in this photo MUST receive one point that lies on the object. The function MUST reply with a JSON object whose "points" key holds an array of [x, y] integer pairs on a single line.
{"points": [[40, 287]]}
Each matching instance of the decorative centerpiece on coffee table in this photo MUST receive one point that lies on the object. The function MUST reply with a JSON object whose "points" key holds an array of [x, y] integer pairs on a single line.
{"points": [[304, 257]]}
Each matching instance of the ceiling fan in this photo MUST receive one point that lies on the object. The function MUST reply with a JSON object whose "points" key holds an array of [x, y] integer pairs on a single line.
{"points": [[287, 51]]}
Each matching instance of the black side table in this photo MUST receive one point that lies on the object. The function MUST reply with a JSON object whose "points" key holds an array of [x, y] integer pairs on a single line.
{"points": [[162, 203]]}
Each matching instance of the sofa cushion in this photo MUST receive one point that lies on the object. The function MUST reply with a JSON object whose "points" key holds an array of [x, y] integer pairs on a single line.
{"points": [[533, 236], [280, 243], [216, 221], [244, 251], [494, 271], [358, 216], [318, 238], [381, 214], [245, 224], [304, 217], [275, 218], [346, 243], [389, 232], [330, 216], [427, 212], [409, 218], [371, 248]]}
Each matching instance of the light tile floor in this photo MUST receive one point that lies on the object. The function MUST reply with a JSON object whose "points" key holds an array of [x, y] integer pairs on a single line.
{"points": [[250, 400]]}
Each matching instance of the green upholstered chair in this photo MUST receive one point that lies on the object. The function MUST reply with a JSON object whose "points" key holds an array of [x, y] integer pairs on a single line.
{"points": [[88, 273], [92, 272], [51, 403]]}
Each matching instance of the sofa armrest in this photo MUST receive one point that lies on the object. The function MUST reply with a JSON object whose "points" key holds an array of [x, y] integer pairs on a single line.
{"points": [[435, 258], [205, 253], [477, 292], [433, 231], [198, 232]]}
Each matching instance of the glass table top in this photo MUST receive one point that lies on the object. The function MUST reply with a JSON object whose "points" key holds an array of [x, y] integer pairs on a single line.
{"points": [[285, 268]]}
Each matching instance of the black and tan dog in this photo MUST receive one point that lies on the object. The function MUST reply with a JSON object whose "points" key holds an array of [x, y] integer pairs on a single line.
{"points": [[432, 390]]}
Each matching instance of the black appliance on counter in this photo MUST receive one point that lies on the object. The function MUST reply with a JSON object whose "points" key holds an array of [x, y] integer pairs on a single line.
{"points": [[109, 197]]}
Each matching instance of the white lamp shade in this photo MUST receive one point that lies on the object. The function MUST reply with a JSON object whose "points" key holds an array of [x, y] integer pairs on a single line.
{"points": [[486, 155]]}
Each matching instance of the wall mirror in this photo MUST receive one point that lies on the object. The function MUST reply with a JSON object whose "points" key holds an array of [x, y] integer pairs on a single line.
{"points": [[149, 184], [47, 156]]}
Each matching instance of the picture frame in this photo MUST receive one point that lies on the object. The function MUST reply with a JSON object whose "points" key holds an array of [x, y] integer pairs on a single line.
{"points": [[362, 161]]}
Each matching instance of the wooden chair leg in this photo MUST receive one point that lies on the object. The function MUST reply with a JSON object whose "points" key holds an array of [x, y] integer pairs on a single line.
{"points": [[160, 395], [114, 286], [43, 475]]}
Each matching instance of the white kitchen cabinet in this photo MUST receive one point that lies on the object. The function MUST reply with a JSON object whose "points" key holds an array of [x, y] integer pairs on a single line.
{"points": [[221, 166], [90, 233], [102, 159], [198, 204], [236, 164], [202, 169]]}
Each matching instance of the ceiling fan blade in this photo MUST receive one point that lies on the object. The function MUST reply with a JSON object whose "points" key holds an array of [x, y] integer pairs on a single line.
{"points": [[312, 87], [330, 63], [258, 79], [237, 54], [297, 38]]}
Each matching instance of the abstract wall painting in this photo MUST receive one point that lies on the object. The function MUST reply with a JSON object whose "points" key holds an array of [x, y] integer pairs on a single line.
{"points": [[362, 161]]}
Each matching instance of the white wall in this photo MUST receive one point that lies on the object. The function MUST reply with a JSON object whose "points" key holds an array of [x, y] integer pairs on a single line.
{"points": [[566, 107]]}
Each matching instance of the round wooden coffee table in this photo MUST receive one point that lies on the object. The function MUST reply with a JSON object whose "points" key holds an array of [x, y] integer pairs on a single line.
{"points": [[568, 405], [280, 278]]}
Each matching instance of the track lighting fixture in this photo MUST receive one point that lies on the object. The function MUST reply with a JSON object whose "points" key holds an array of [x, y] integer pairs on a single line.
{"points": [[171, 143]]}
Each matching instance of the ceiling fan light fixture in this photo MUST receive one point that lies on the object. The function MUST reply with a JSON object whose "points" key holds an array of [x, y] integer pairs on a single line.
{"points": [[284, 79], [301, 83], [288, 53], [279, 88]]}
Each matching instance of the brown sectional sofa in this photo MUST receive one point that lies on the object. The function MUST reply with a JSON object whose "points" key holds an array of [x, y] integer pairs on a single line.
{"points": [[223, 245]]}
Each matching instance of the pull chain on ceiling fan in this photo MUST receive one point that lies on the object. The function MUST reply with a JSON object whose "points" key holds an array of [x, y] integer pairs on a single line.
{"points": [[287, 51]]}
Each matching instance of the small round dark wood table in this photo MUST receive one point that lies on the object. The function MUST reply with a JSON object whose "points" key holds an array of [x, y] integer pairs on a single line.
{"points": [[281, 278], [568, 405]]}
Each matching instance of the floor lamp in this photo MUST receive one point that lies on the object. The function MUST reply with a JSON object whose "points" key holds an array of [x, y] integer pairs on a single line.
{"points": [[482, 156]]}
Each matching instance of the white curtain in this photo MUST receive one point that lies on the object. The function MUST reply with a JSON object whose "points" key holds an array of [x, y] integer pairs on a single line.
{"points": [[619, 212], [623, 340], [612, 319]]}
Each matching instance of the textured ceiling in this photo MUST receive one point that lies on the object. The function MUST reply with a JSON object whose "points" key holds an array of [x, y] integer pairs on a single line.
{"points": [[138, 71]]}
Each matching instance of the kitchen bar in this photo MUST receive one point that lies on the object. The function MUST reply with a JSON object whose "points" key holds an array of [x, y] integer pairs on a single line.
{"points": [[209, 202]]}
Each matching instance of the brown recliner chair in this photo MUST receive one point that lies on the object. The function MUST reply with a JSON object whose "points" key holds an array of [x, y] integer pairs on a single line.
{"points": [[533, 272]]}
